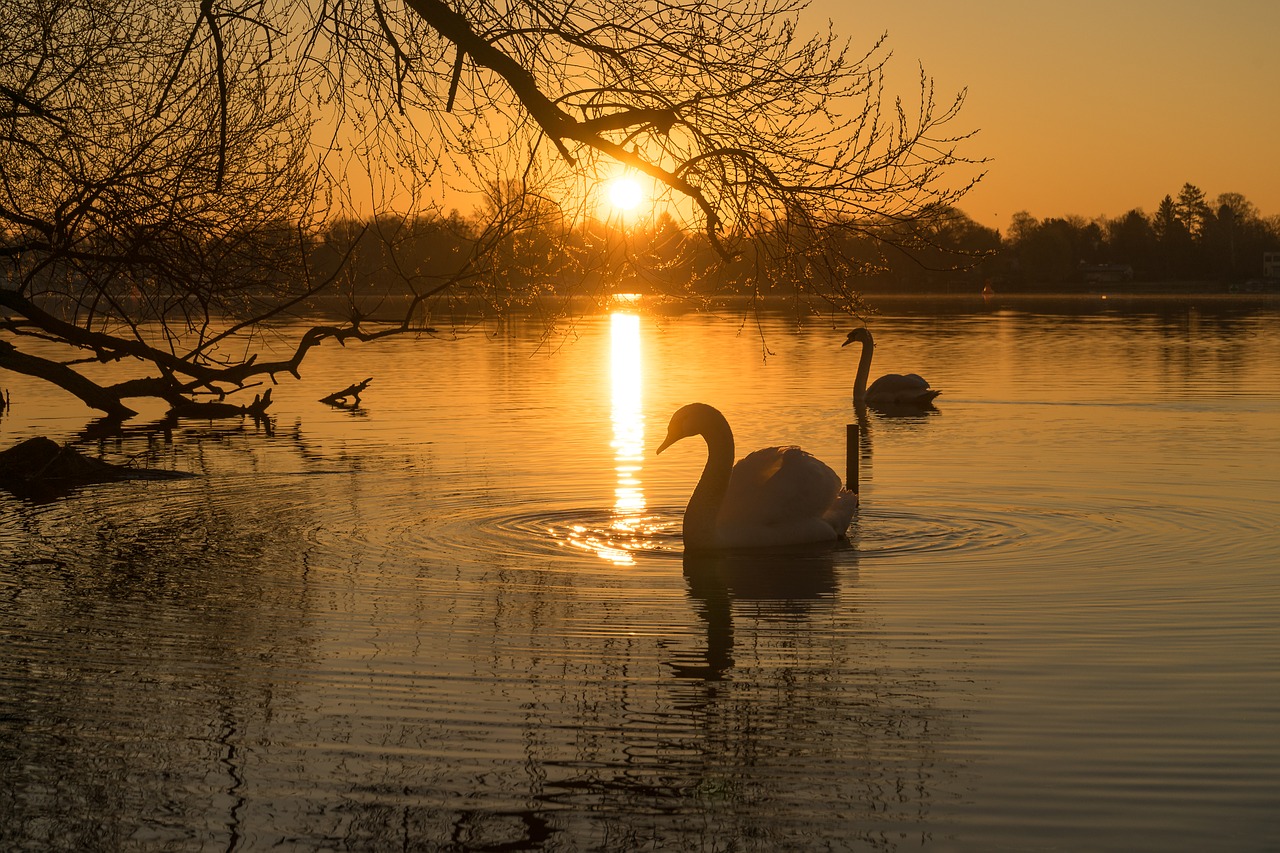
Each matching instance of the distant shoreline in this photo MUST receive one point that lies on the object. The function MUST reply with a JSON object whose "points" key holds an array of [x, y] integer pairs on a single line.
{"points": [[1168, 288], [1068, 295]]}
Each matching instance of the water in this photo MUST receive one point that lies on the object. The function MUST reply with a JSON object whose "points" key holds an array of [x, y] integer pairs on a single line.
{"points": [[460, 617]]}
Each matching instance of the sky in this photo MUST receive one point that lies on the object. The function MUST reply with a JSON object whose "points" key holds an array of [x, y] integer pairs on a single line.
{"points": [[1093, 108]]}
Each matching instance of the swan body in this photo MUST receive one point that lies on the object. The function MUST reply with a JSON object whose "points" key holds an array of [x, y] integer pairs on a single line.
{"points": [[901, 389], [777, 496]]}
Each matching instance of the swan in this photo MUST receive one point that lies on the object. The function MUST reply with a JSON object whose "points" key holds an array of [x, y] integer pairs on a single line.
{"points": [[893, 388], [777, 496]]}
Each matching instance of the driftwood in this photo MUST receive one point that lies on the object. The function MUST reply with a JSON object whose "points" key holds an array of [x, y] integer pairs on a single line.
{"points": [[41, 468], [340, 398], [199, 409]]}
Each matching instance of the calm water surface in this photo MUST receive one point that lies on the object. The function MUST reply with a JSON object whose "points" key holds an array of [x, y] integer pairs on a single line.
{"points": [[460, 618]]}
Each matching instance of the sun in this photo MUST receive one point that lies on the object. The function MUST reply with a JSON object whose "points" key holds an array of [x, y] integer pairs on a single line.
{"points": [[625, 193]]}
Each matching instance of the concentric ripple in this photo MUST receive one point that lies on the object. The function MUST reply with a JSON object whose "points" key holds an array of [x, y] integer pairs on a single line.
{"points": [[613, 537], [887, 533], [408, 518], [551, 533]]}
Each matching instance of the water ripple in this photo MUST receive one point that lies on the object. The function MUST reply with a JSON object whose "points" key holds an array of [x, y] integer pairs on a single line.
{"points": [[555, 532], [1131, 534]]}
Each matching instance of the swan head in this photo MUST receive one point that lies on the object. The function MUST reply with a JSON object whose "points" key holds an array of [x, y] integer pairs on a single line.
{"points": [[693, 419], [860, 335]]}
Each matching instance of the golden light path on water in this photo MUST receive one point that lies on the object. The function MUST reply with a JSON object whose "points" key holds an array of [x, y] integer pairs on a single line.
{"points": [[627, 415], [627, 526], [628, 418]]}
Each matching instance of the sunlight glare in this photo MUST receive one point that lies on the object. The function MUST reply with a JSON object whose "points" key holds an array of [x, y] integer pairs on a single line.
{"points": [[625, 194]]}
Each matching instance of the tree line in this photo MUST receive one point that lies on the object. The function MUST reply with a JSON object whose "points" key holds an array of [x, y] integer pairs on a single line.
{"points": [[1188, 238], [1218, 244]]}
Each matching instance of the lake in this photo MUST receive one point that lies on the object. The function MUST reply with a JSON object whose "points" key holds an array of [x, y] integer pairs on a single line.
{"points": [[460, 617]]}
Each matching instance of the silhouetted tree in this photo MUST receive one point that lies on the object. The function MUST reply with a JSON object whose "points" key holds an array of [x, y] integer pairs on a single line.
{"points": [[1050, 252], [1166, 224], [135, 204], [1228, 242], [1191, 209], [931, 263], [168, 170], [1173, 241], [1131, 240], [1236, 237]]}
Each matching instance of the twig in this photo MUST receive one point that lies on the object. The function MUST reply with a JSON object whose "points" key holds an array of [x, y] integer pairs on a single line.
{"points": [[340, 398]]}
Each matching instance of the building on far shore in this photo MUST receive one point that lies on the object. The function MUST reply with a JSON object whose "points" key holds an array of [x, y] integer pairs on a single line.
{"points": [[1106, 273], [1271, 265]]}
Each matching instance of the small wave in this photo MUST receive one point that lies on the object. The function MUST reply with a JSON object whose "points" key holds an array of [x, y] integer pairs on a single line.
{"points": [[887, 533], [959, 530], [611, 536]]}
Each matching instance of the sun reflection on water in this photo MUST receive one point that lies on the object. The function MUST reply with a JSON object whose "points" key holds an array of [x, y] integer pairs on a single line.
{"points": [[629, 529], [627, 415]]}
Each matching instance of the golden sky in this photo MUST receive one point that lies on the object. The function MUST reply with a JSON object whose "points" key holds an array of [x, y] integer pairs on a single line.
{"points": [[1094, 107]]}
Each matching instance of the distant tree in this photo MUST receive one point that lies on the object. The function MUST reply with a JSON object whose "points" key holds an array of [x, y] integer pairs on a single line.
{"points": [[168, 169], [1173, 241], [1242, 210], [1235, 238], [1191, 209], [1132, 240], [1051, 251], [1228, 245], [1167, 224], [1221, 238], [931, 264], [1021, 226]]}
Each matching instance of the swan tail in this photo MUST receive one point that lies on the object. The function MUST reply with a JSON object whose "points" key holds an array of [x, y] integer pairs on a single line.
{"points": [[841, 513]]}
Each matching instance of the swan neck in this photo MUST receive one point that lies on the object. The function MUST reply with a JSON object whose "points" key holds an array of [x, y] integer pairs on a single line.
{"points": [[700, 529], [864, 370]]}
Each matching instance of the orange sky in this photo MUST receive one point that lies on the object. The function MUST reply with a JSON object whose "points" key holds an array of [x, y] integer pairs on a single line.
{"points": [[1093, 108]]}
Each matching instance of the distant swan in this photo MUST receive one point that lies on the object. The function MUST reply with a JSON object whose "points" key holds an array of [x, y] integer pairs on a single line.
{"points": [[893, 388], [773, 497]]}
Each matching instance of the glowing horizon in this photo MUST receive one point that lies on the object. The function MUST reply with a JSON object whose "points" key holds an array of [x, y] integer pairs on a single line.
{"points": [[1097, 120]]}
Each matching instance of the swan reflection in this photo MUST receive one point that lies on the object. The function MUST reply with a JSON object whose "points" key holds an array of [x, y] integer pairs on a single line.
{"points": [[783, 585]]}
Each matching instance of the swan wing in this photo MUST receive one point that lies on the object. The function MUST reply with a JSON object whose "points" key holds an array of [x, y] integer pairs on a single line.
{"points": [[901, 388], [778, 485]]}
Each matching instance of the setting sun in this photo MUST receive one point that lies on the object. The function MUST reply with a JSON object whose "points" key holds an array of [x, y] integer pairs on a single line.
{"points": [[625, 194]]}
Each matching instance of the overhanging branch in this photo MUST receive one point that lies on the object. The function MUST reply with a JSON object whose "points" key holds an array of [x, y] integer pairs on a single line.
{"points": [[558, 125]]}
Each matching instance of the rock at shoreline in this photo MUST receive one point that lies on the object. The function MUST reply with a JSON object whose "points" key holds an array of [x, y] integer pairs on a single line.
{"points": [[39, 465]]}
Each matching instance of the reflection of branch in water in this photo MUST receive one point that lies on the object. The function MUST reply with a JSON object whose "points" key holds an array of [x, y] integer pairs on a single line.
{"points": [[181, 623], [230, 760]]}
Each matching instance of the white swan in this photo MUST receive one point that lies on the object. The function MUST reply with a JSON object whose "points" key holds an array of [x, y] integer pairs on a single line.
{"points": [[773, 497], [899, 389]]}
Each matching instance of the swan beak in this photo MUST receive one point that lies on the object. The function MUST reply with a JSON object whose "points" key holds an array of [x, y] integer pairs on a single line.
{"points": [[670, 440], [848, 340]]}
